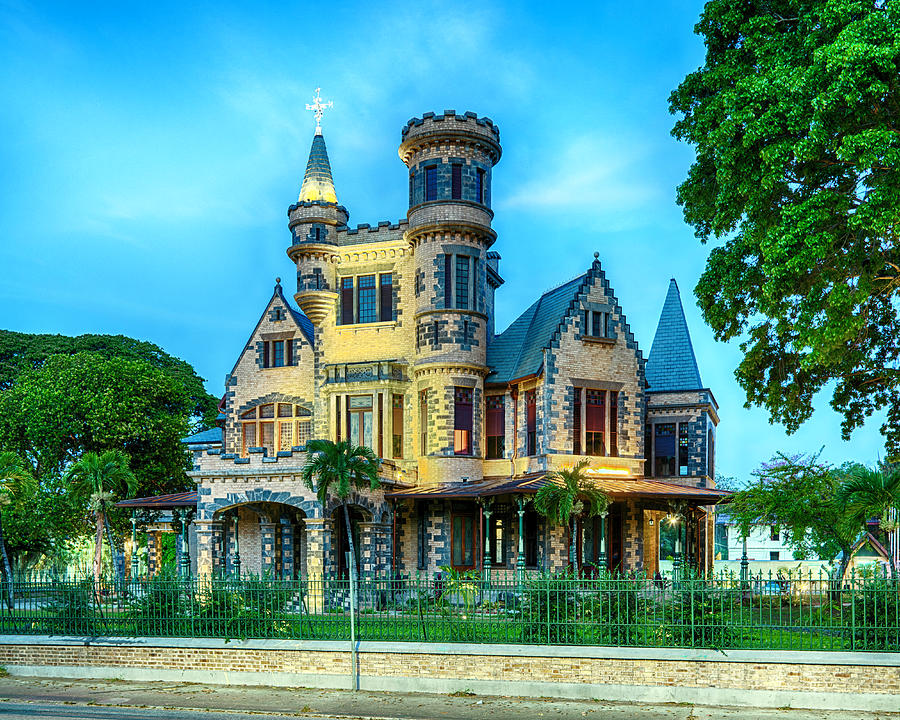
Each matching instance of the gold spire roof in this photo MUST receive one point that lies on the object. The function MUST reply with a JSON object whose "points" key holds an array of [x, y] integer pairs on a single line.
{"points": [[318, 184]]}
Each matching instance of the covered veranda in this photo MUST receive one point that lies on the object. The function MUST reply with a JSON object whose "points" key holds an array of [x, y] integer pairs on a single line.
{"points": [[491, 526]]}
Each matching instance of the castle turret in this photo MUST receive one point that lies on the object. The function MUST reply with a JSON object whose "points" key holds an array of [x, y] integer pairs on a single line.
{"points": [[313, 221], [450, 159]]}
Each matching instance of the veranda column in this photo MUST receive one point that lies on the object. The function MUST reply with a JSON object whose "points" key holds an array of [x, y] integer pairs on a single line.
{"points": [[486, 558], [267, 548], [520, 554], [317, 533], [153, 550], [287, 549], [367, 549], [209, 547]]}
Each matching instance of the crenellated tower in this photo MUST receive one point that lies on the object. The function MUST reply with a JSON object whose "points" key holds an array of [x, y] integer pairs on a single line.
{"points": [[450, 159], [313, 221]]}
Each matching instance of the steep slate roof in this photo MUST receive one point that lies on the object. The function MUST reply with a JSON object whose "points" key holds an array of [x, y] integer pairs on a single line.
{"points": [[672, 364], [517, 351], [306, 326], [213, 435], [317, 182]]}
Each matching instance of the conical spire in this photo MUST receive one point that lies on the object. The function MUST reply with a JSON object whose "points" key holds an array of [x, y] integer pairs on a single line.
{"points": [[672, 364], [317, 182]]}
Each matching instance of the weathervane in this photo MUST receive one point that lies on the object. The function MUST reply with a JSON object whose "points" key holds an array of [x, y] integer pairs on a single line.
{"points": [[318, 108]]}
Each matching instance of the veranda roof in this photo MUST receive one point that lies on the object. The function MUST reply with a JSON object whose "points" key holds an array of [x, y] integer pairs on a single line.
{"points": [[615, 488], [162, 502]]}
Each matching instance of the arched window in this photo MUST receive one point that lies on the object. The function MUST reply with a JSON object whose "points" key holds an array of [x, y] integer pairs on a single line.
{"points": [[272, 426]]}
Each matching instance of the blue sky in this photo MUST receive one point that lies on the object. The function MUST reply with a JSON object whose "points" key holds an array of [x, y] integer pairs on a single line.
{"points": [[148, 153]]}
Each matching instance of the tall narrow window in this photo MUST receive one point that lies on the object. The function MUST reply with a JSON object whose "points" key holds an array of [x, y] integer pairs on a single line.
{"points": [[664, 449], [278, 353], [448, 275], [347, 301], [494, 426], [456, 182], [531, 538], [412, 187], [683, 445], [366, 298], [530, 422], [360, 416], [422, 537], [462, 421], [397, 426], [423, 422], [595, 422], [576, 422], [380, 417], [613, 424], [596, 321], [289, 351], [337, 418], [497, 542], [462, 282], [479, 186], [266, 354], [385, 281], [462, 541], [711, 454], [431, 183]]}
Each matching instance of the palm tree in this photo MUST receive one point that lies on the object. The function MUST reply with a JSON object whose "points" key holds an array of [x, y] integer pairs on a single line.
{"points": [[335, 468], [567, 497], [872, 492], [15, 480], [97, 478]]}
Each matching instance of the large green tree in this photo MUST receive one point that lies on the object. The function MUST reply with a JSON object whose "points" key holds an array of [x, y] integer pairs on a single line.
{"points": [[23, 351], [800, 495], [15, 481], [795, 120]]}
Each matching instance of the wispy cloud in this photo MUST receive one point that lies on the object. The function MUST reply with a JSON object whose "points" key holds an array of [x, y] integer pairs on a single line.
{"points": [[598, 174]]}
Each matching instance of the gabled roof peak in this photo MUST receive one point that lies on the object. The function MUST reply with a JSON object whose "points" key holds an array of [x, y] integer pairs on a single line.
{"points": [[672, 364]]}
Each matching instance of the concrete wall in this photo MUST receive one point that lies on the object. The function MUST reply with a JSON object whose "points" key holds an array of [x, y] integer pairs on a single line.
{"points": [[849, 681]]}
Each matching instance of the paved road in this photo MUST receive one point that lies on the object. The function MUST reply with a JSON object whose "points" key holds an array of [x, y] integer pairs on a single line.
{"points": [[51, 699], [55, 711]]}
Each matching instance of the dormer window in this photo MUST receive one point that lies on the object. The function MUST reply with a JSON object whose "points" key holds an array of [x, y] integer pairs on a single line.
{"points": [[598, 324]]}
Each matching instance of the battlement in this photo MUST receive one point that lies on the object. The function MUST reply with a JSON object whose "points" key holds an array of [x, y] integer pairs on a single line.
{"points": [[316, 203], [366, 227], [448, 116], [468, 126]]}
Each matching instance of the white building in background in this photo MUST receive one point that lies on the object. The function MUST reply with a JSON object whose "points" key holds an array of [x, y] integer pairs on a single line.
{"points": [[765, 543]]}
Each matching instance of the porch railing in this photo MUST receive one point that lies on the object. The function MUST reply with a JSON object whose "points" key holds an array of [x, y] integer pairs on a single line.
{"points": [[760, 612]]}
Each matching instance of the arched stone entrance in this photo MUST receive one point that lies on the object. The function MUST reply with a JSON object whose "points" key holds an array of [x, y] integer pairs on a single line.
{"points": [[262, 533]]}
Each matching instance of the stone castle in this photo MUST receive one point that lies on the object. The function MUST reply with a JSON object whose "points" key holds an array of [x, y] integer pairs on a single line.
{"points": [[394, 347]]}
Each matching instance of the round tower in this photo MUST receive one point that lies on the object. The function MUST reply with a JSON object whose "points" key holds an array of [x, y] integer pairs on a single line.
{"points": [[450, 159], [313, 221]]}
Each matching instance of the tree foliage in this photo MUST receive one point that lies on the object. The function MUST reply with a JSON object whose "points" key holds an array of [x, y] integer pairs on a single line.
{"points": [[795, 119], [799, 495], [24, 351]]}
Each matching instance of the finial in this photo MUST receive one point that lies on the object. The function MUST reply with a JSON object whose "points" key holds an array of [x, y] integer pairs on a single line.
{"points": [[278, 281], [596, 255], [318, 108]]}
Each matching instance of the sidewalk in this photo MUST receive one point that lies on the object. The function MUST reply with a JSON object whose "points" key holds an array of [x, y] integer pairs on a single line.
{"points": [[301, 702]]}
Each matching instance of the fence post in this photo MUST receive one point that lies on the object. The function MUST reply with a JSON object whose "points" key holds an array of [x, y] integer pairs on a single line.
{"points": [[548, 609], [354, 683]]}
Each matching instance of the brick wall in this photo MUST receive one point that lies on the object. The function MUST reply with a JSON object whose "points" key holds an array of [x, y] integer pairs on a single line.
{"points": [[798, 679]]}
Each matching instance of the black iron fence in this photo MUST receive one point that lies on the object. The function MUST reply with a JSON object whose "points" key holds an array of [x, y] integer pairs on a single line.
{"points": [[760, 612]]}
